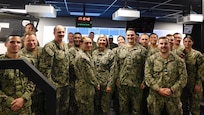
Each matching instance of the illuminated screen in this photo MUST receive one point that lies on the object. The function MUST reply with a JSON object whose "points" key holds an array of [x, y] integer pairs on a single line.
{"points": [[83, 21]]}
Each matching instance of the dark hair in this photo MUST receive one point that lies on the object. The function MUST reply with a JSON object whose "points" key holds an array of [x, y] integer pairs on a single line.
{"points": [[162, 37], [70, 33], [153, 34], [11, 36], [91, 32], [169, 35], [77, 33], [188, 36], [29, 24], [131, 29], [121, 36], [175, 33]]}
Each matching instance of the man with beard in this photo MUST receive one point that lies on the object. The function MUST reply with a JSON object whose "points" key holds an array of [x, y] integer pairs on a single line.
{"points": [[130, 59], [165, 74], [72, 53], [54, 64], [33, 51]]}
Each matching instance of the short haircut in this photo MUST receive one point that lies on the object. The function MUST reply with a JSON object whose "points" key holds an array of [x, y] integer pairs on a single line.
{"points": [[77, 33], [29, 24], [144, 34], [131, 29], [163, 37], [29, 33], [10, 36], [70, 33], [153, 34], [169, 35], [176, 33], [91, 33]]}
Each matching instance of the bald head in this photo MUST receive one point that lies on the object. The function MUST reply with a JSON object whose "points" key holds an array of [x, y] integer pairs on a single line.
{"points": [[59, 32]]}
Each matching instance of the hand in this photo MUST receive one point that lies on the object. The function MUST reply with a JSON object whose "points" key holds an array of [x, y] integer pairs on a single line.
{"points": [[98, 87], [17, 104], [142, 86], [164, 91], [197, 89], [108, 89]]}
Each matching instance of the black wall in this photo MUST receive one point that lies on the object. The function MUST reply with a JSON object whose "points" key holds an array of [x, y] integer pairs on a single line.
{"points": [[197, 35]]}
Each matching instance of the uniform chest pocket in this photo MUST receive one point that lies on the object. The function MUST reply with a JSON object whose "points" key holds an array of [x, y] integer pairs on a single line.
{"points": [[158, 67], [105, 61], [60, 54]]}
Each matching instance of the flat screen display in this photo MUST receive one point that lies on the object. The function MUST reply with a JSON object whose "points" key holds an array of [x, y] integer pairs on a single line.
{"points": [[142, 24], [84, 21]]}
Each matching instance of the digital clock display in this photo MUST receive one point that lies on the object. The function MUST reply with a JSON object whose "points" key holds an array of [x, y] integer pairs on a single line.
{"points": [[83, 21]]}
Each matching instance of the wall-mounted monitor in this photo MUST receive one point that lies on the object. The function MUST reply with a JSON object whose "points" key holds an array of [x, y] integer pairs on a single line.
{"points": [[84, 21], [187, 28], [142, 24]]}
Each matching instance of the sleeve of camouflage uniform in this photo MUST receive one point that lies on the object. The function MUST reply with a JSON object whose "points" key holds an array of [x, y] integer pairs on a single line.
{"points": [[144, 57], [72, 55], [200, 72], [149, 79], [3, 97], [116, 67], [181, 82], [87, 70], [112, 78], [46, 60], [27, 89]]}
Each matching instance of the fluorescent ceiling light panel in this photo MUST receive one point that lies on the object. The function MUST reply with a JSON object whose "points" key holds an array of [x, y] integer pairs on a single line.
{"points": [[86, 14], [41, 10], [125, 14], [13, 10], [189, 19]]}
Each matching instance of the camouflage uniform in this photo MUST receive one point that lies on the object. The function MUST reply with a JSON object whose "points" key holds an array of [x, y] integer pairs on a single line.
{"points": [[35, 55], [94, 46], [179, 51], [165, 73], [103, 62], [191, 100], [152, 50], [14, 84], [54, 64], [130, 63], [115, 89], [72, 54], [38, 102], [85, 83], [180, 48]]}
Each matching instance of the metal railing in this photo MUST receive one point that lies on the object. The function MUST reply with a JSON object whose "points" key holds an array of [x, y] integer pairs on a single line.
{"points": [[37, 78]]}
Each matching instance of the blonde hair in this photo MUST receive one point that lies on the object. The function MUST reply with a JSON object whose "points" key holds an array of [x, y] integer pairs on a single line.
{"points": [[107, 42]]}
